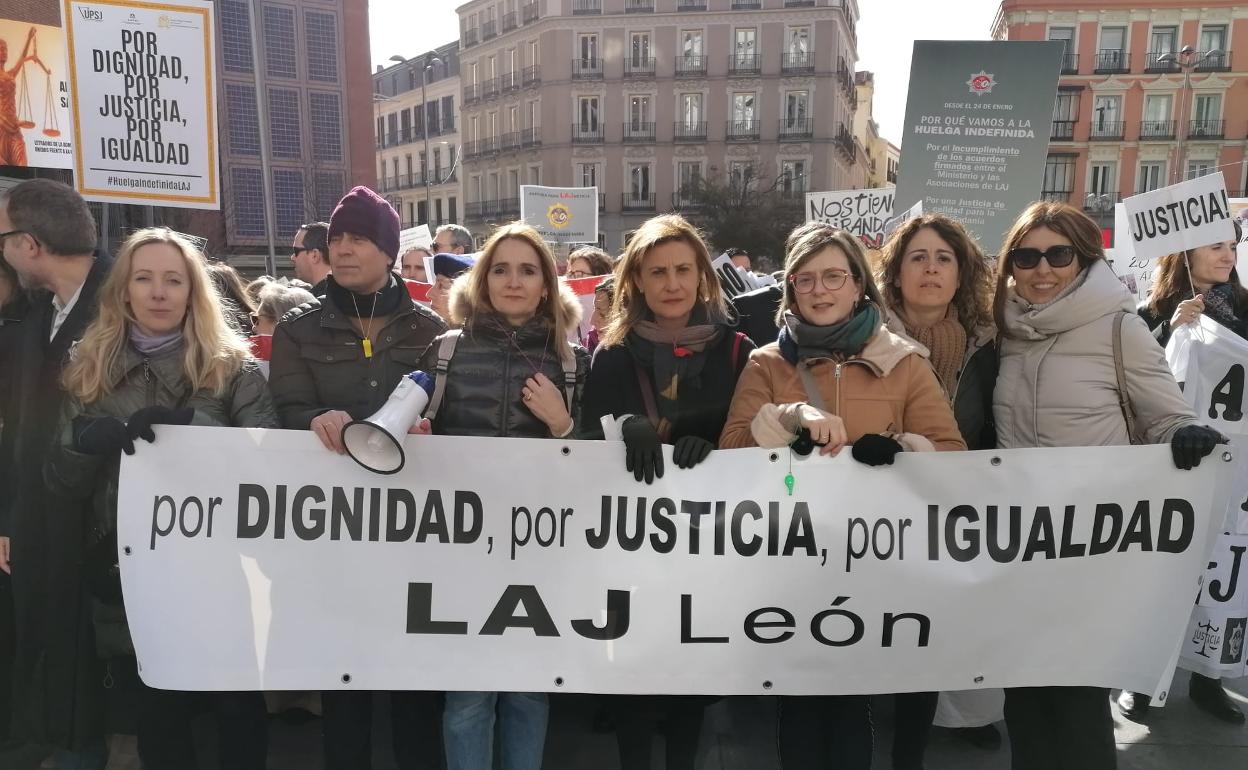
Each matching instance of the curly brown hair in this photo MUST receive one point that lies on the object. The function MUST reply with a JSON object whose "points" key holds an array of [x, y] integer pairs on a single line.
{"points": [[973, 298]]}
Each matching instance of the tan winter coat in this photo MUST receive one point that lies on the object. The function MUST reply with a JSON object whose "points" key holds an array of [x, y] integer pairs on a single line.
{"points": [[1056, 386], [888, 388]]}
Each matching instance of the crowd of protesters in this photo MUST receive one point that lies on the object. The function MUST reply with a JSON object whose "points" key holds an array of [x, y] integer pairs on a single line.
{"points": [[923, 349]]}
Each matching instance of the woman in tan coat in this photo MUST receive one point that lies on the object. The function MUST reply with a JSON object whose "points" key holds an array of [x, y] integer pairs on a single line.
{"points": [[837, 372]]}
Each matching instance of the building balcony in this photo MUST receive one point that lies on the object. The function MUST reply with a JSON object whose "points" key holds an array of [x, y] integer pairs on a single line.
{"points": [[468, 150], [797, 128], [685, 201], [1063, 131], [1106, 130], [799, 3], [845, 143], [1101, 202], [1056, 196], [586, 7], [687, 66], [448, 126], [586, 133], [1153, 63], [742, 131], [531, 137], [532, 76], [509, 208], [638, 67], [1153, 130], [529, 13], [602, 201], [586, 69], [797, 64], [470, 37], [1112, 60], [1070, 63], [690, 5], [638, 6], [509, 21], [1215, 62], [510, 141], [745, 64], [689, 131], [488, 146], [489, 88], [508, 82], [489, 30], [635, 201], [472, 93], [747, 5], [1206, 129], [635, 132]]}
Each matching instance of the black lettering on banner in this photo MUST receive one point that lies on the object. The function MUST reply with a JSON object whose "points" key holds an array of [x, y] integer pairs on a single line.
{"points": [[1139, 530], [1102, 541], [433, 520], [420, 613], [504, 615], [753, 623], [1014, 529], [968, 549], [1229, 394], [890, 620], [1070, 549], [1168, 543], [308, 523], [247, 529], [739, 543], [816, 625], [396, 499], [662, 515], [348, 514], [1040, 541], [686, 625], [468, 521], [618, 617], [1215, 585]]}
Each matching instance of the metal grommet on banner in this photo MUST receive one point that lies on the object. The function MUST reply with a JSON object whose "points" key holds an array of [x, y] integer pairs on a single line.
{"points": [[346, 679], [979, 679], [567, 450], [558, 681], [1163, 695], [1227, 457], [767, 684], [995, 461], [126, 550], [774, 457]]}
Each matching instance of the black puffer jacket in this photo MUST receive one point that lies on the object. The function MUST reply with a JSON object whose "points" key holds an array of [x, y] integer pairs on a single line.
{"points": [[318, 364], [486, 375]]}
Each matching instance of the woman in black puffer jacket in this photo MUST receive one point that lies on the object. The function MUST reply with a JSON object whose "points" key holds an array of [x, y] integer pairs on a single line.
{"points": [[509, 371]]}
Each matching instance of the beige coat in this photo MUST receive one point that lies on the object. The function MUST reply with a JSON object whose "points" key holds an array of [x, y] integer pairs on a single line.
{"points": [[1056, 385]]}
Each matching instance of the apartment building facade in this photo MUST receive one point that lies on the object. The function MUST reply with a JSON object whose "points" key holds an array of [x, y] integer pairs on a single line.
{"points": [[640, 98], [417, 130], [1133, 111], [882, 156]]}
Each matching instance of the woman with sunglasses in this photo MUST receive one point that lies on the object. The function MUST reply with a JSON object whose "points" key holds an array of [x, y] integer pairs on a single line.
{"points": [[839, 373], [1058, 306]]}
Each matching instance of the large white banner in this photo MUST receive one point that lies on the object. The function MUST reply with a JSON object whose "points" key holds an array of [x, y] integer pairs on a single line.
{"points": [[1211, 359], [144, 113], [1179, 217], [256, 559], [862, 212]]}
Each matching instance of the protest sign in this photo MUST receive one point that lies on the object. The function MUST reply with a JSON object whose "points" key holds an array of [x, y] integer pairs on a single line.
{"points": [[914, 212], [976, 136], [494, 558], [861, 212], [415, 236], [561, 214], [1179, 217], [144, 101], [34, 107], [1136, 272], [1239, 209], [584, 288]]}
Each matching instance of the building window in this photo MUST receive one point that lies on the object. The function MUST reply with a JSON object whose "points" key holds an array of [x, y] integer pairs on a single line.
{"points": [[248, 195], [1064, 34], [535, 114], [691, 45], [1105, 116], [740, 172], [745, 47], [588, 114], [288, 194], [1059, 177], [244, 126], [1152, 176], [1157, 114], [589, 174], [448, 114], [279, 42], [1112, 53], [326, 126], [798, 44], [688, 174], [1162, 40], [639, 49], [535, 174], [452, 210], [796, 109], [1197, 168], [639, 113], [691, 111], [437, 211], [284, 123], [1103, 178], [328, 192], [235, 36], [793, 176], [1212, 38], [321, 32], [743, 107], [639, 182], [1066, 107]]}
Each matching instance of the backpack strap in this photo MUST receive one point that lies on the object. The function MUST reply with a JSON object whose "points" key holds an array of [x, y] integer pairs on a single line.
{"points": [[569, 379], [1120, 374], [446, 350]]}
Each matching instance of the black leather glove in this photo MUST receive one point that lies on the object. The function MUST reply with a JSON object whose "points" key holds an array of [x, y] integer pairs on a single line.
{"points": [[803, 445], [691, 450], [1192, 442], [643, 452], [101, 436], [874, 449], [140, 423]]}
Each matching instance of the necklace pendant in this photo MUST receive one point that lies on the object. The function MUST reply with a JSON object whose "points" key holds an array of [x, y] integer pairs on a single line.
{"points": [[368, 347]]}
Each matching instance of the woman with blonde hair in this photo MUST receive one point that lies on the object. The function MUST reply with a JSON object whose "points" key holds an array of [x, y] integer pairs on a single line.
{"points": [[507, 371], [160, 352]]}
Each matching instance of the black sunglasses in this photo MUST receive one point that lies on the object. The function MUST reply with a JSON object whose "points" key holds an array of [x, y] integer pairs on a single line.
{"points": [[1056, 256]]}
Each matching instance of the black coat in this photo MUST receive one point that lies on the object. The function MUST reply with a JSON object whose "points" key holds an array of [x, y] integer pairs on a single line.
{"points": [[614, 388], [756, 314], [972, 398], [1161, 326], [57, 682], [486, 375]]}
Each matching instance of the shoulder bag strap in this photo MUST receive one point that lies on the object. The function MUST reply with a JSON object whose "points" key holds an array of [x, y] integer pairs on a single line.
{"points": [[569, 378], [446, 350], [1124, 400], [647, 393]]}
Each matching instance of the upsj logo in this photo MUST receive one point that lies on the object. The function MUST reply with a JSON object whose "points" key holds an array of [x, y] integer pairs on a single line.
{"points": [[981, 83], [559, 216], [90, 14]]}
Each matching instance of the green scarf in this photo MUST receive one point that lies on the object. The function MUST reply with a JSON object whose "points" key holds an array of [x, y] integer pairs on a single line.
{"points": [[840, 340]]}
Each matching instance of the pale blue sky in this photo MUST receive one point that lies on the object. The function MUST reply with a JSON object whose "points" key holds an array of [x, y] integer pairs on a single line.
{"points": [[886, 33]]}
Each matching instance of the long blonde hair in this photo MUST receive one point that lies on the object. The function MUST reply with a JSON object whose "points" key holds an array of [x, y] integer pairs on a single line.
{"points": [[629, 306], [214, 351], [472, 290]]}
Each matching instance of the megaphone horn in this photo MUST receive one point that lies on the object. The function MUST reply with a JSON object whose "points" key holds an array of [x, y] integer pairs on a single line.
{"points": [[377, 442]]}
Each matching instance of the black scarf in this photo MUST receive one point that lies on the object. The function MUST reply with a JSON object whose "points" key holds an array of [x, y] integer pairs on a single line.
{"points": [[383, 303], [676, 366]]}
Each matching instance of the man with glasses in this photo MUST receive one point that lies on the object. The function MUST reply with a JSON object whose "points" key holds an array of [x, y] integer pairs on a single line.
{"points": [[48, 235], [310, 255], [452, 239]]}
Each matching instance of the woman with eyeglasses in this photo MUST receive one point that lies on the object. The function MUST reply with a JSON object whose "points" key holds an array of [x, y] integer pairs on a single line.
{"points": [[1058, 306], [588, 261], [839, 373]]}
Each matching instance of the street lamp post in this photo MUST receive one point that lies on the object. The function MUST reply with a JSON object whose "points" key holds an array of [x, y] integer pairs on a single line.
{"points": [[1187, 60], [424, 81]]}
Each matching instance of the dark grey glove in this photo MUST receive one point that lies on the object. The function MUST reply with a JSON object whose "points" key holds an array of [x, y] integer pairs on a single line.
{"points": [[1191, 443], [691, 450], [643, 451], [101, 436], [874, 449], [140, 423]]}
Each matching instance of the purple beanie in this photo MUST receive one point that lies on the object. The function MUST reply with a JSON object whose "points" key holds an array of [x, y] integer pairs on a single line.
{"points": [[364, 212]]}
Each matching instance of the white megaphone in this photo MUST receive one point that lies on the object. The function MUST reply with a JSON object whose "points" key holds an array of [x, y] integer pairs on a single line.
{"points": [[377, 442]]}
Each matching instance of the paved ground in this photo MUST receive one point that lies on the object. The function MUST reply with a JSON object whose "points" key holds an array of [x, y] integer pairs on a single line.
{"points": [[739, 734]]}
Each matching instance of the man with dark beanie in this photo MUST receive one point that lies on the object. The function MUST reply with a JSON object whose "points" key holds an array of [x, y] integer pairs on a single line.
{"points": [[336, 360]]}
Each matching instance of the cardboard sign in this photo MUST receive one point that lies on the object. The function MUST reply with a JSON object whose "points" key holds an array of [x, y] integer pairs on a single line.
{"points": [[862, 212], [561, 214], [415, 236], [37, 133], [1179, 217]]}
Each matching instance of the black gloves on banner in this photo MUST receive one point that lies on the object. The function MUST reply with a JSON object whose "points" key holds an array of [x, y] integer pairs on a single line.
{"points": [[643, 452], [141, 422], [105, 435], [1191, 443], [691, 450], [874, 449]]}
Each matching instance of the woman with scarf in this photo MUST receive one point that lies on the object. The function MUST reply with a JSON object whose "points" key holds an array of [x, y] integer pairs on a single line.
{"points": [[938, 289], [664, 373], [160, 352], [839, 373], [1189, 284], [509, 372]]}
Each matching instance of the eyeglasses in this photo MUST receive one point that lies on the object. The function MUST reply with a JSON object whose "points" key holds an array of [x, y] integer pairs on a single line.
{"points": [[804, 283], [574, 274], [15, 232], [1056, 256], [297, 250]]}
